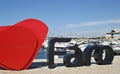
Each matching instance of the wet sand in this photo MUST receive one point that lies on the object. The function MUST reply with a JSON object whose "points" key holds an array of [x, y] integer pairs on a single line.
{"points": [[39, 66]]}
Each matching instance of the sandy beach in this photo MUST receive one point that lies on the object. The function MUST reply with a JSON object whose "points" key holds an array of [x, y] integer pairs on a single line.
{"points": [[39, 66]]}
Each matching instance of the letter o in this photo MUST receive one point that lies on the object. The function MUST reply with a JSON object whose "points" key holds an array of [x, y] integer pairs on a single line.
{"points": [[109, 55]]}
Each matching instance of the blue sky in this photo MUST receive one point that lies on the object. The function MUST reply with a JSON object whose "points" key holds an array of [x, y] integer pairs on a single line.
{"points": [[83, 18]]}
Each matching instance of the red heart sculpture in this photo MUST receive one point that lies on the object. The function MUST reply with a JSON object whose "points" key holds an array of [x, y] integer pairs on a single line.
{"points": [[3, 27], [38, 27], [20, 44]]}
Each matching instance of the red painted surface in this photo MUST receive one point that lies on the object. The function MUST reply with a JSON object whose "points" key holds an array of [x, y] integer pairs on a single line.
{"points": [[20, 43], [3, 27]]}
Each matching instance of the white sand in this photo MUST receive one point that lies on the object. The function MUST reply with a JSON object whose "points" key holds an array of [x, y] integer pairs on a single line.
{"points": [[39, 66]]}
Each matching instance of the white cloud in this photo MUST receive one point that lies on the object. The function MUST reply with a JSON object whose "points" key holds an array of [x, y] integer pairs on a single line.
{"points": [[72, 25], [93, 23]]}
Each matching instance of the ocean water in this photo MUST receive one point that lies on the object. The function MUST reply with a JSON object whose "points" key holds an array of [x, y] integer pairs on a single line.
{"points": [[42, 54]]}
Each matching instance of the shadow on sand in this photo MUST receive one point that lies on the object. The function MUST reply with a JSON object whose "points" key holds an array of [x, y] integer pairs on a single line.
{"points": [[35, 65]]}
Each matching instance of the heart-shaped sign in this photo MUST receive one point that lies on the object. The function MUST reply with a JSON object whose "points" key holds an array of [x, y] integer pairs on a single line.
{"points": [[3, 27], [19, 44]]}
